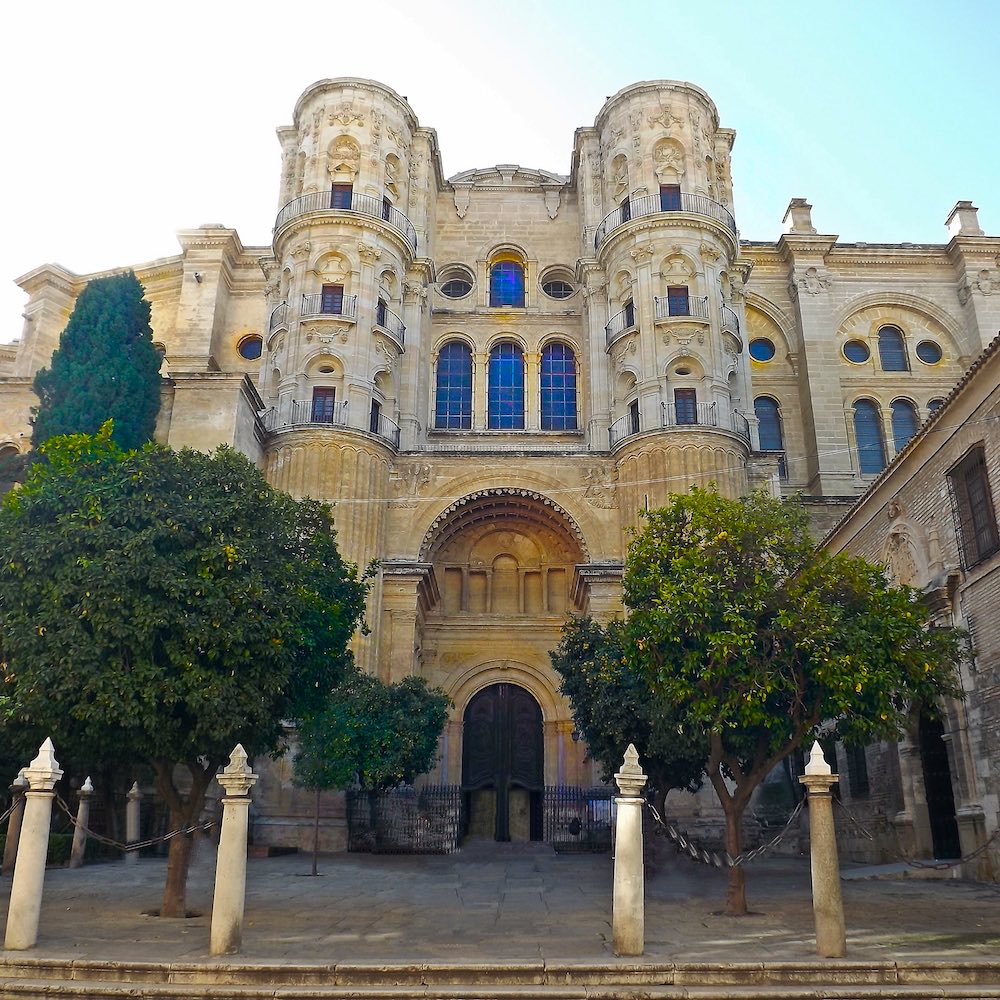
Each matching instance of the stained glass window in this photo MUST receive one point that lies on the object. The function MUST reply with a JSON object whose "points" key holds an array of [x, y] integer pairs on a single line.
{"points": [[454, 387], [558, 388], [507, 284], [505, 397], [868, 433]]}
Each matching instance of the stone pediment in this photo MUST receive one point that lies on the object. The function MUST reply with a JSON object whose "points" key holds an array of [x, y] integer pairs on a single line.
{"points": [[507, 175]]}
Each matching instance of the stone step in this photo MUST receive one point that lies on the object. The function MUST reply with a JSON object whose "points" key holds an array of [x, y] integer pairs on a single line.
{"points": [[40, 977]]}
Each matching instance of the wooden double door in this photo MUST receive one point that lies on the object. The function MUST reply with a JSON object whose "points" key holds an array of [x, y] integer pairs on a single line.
{"points": [[502, 765]]}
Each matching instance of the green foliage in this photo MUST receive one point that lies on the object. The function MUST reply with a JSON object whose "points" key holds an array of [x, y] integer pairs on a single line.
{"points": [[105, 367], [167, 604], [751, 635], [613, 706], [378, 735]]}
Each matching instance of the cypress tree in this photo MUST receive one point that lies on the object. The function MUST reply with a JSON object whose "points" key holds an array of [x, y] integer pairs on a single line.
{"points": [[105, 367]]}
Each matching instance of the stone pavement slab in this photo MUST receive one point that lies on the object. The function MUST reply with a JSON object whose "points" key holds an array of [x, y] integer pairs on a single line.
{"points": [[534, 906]]}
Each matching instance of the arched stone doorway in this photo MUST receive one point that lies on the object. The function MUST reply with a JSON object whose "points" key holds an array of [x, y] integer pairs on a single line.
{"points": [[503, 764], [938, 788]]}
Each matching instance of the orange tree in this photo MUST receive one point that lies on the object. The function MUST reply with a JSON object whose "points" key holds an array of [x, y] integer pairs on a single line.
{"points": [[746, 634], [164, 606]]}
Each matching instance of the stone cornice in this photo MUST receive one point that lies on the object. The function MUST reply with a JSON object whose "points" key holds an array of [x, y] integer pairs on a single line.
{"points": [[339, 83], [664, 224], [792, 244]]}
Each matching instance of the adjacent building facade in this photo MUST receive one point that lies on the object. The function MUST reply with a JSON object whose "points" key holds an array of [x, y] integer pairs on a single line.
{"points": [[490, 375]]}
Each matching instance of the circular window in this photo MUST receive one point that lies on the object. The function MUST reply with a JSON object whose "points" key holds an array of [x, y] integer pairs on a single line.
{"points": [[761, 349], [326, 370], [558, 289], [928, 352], [934, 404], [856, 351], [250, 348], [682, 371], [456, 288]]}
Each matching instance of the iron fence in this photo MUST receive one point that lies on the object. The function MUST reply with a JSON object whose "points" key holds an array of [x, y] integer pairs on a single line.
{"points": [[577, 819], [405, 820]]}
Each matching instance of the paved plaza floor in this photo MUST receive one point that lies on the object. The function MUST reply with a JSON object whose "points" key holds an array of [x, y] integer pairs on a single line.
{"points": [[492, 903]]}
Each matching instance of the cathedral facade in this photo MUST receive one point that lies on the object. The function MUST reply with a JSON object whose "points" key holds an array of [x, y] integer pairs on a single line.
{"points": [[488, 376]]}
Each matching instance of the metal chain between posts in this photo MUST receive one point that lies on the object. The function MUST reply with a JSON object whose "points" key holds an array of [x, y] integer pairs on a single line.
{"points": [[685, 845], [913, 862], [139, 844]]}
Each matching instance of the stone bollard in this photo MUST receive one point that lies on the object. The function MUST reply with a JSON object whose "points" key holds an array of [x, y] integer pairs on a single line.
{"points": [[17, 789], [134, 799], [828, 905], [82, 819], [29, 871], [231, 867], [628, 902]]}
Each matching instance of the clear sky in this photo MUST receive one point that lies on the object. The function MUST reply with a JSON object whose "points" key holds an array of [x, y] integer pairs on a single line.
{"points": [[126, 122]]}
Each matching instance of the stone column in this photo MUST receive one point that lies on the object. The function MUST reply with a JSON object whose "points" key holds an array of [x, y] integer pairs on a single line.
{"points": [[231, 868], [134, 798], [82, 819], [828, 906], [29, 870], [627, 908], [17, 789]]}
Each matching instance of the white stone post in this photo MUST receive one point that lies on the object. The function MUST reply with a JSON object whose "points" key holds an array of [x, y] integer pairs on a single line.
{"points": [[29, 870], [231, 868], [82, 819], [628, 902], [828, 905], [17, 789], [132, 807]]}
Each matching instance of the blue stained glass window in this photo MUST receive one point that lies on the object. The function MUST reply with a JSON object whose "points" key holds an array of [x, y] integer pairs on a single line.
{"points": [[558, 388], [507, 284], [505, 397], [868, 432], [454, 387], [768, 416], [904, 422], [892, 350]]}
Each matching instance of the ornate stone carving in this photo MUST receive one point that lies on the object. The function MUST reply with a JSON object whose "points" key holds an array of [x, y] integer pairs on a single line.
{"points": [[346, 115], [620, 357], [394, 136], [388, 351], [641, 253], [812, 281], [462, 197], [327, 335], [411, 480], [415, 291], [684, 335], [552, 196], [301, 250], [988, 281], [964, 293], [709, 252], [368, 253], [665, 118], [601, 488]]}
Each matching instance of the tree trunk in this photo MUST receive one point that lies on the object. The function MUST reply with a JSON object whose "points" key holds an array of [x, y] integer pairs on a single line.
{"points": [[736, 890], [183, 812]]}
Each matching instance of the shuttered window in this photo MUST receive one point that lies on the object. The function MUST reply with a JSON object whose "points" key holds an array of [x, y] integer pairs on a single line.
{"points": [[868, 434], [892, 350], [975, 512], [904, 422]]}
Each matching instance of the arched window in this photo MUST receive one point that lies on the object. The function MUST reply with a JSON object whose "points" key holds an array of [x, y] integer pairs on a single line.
{"points": [[768, 415], [507, 284], [454, 387], [558, 388], [505, 396], [892, 350], [868, 434], [904, 422]]}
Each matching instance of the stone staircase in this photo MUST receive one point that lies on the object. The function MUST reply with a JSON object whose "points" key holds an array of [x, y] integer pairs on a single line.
{"points": [[25, 978]]}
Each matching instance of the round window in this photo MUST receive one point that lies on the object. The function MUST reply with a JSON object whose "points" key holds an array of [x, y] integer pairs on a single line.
{"points": [[928, 352], [761, 349], [456, 288], [934, 405], [856, 351], [250, 348], [557, 289]]}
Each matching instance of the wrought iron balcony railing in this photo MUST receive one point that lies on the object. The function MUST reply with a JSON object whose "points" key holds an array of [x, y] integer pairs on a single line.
{"points": [[685, 414], [323, 413], [623, 427], [279, 317], [655, 204], [619, 323], [315, 304], [668, 307], [730, 319], [382, 426], [361, 204], [387, 321]]}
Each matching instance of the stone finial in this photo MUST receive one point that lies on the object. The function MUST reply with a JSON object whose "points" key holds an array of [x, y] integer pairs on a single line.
{"points": [[44, 771], [798, 217], [963, 220], [21, 781], [817, 762], [630, 779], [133, 792], [87, 787], [237, 778]]}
